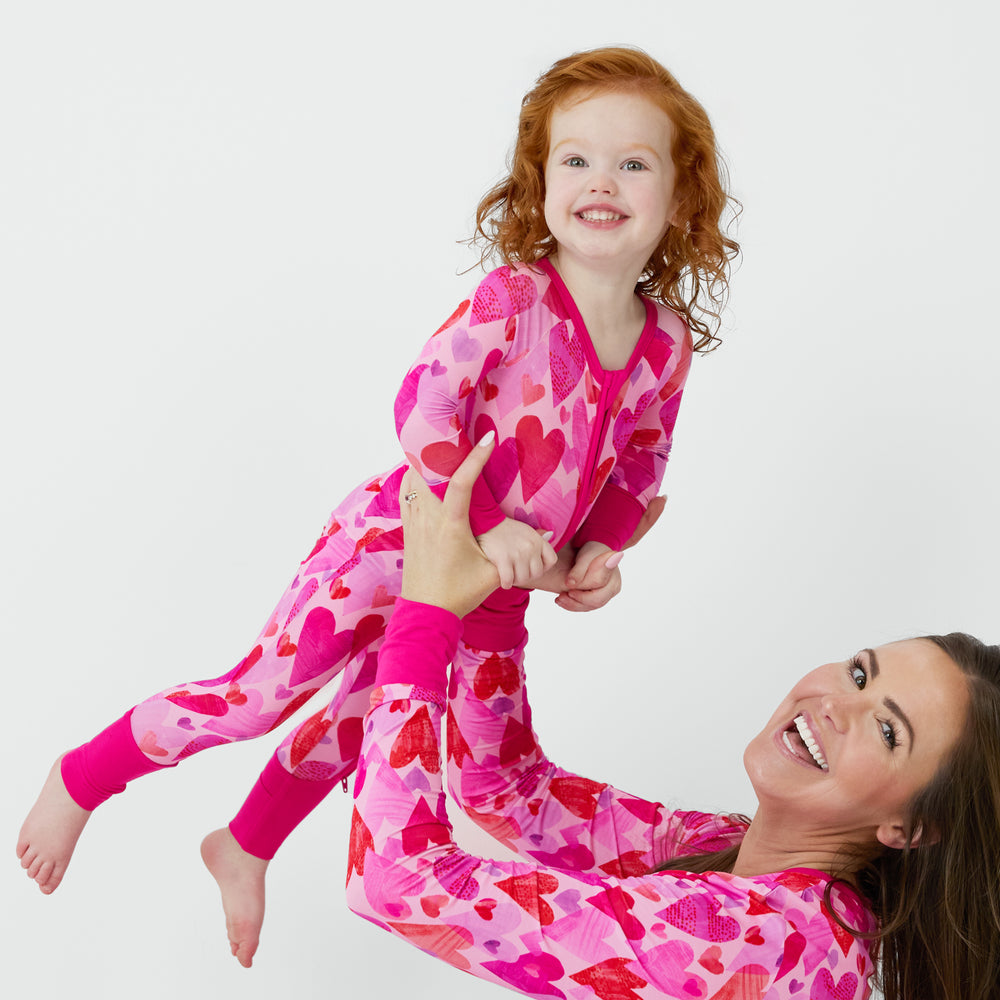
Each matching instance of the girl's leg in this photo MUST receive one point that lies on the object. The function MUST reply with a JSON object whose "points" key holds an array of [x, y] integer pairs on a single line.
{"points": [[337, 604], [323, 751], [305, 768]]}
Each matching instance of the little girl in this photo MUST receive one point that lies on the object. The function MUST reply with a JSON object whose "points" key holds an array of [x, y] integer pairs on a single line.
{"points": [[574, 353]]}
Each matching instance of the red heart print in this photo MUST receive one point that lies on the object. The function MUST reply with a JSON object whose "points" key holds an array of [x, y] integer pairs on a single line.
{"points": [[431, 905], [531, 392], [710, 960], [150, 747], [453, 318], [234, 695], [527, 892], [444, 457], [202, 704], [578, 795], [538, 453], [417, 738], [308, 736], [382, 598]]}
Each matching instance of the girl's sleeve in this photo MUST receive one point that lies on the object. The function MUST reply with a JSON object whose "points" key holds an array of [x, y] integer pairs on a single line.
{"points": [[500, 776], [434, 405], [536, 929], [637, 475]]}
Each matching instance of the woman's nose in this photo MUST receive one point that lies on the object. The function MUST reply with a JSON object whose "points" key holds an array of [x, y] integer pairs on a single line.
{"points": [[836, 710]]}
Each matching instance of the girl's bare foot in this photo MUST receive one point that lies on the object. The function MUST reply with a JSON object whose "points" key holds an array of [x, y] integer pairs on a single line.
{"points": [[50, 832], [241, 881]]}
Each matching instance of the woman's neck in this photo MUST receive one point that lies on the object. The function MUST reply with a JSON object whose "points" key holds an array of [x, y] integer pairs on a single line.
{"points": [[777, 848], [614, 314]]}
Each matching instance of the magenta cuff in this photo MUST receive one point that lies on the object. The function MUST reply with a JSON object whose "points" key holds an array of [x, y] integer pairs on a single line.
{"points": [[498, 623], [484, 512], [612, 520], [419, 643], [276, 805], [95, 771]]}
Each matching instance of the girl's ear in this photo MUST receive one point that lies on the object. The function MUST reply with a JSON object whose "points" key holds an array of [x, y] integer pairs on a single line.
{"points": [[894, 835]]}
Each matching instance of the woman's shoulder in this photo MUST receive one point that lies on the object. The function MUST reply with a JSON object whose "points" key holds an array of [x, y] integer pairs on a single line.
{"points": [[703, 833]]}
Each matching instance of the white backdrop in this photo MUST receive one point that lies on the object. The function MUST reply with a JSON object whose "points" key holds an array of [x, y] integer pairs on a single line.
{"points": [[215, 215]]}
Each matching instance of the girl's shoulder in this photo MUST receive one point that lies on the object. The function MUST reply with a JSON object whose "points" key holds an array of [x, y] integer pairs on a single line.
{"points": [[509, 290], [670, 323]]}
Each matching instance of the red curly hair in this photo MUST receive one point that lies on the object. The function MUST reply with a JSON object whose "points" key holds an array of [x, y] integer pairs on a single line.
{"points": [[689, 270]]}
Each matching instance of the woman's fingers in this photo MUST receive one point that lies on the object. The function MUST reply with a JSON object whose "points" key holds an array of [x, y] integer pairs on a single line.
{"points": [[648, 519], [459, 495]]}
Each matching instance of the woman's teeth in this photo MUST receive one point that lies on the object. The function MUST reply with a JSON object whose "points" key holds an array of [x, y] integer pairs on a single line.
{"points": [[808, 739]]}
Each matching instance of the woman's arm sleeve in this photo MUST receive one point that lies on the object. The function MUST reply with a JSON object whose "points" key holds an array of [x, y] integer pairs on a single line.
{"points": [[499, 774]]}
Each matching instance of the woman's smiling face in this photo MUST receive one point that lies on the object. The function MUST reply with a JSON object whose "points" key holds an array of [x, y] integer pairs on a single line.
{"points": [[853, 742]]}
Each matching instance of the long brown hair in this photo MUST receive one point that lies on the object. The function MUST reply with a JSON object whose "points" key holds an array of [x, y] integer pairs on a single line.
{"points": [[938, 904], [689, 270]]}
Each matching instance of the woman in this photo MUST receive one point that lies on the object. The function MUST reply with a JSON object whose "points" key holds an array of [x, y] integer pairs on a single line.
{"points": [[877, 836]]}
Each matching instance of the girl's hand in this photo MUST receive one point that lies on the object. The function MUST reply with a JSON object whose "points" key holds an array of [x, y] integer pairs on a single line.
{"points": [[586, 582], [593, 579], [442, 564], [520, 553]]}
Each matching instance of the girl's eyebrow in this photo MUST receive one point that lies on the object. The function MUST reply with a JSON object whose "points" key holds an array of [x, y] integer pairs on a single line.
{"points": [[573, 141]]}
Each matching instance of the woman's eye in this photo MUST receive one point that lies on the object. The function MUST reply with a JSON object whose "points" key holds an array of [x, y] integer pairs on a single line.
{"points": [[890, 735], [858, 674], [633, 165]]}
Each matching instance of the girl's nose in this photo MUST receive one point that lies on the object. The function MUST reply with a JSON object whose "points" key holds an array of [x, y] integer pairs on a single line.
{"points": [[602, 183]]}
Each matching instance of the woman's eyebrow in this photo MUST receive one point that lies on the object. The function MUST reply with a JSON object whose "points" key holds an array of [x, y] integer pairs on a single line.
{"points": [[896, 710], [873, 668], [889, 703]]}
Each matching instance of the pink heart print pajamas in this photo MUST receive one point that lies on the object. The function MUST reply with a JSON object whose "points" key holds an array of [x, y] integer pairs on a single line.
{"points": [[580, 451]]}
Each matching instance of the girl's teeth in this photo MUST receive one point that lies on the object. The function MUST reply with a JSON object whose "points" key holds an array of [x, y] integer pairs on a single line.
{"points": [[600, 216]]}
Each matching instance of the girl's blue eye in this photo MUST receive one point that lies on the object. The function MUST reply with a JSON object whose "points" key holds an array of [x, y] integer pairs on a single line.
{"points": [[633, 165], [576, 161]]}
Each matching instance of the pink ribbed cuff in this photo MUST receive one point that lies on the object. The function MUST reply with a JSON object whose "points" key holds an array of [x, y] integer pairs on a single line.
{"points": [[612, 520], [102, 767], [498, 623], [276, 805], [420, 642]]}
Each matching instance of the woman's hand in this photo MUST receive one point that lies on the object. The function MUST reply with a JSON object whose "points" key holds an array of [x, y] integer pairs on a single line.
{"points": [[442, 564]]}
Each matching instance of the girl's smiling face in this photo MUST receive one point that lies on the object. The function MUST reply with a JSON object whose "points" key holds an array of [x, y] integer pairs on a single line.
{"points": [[854, 742], [609, 181]]}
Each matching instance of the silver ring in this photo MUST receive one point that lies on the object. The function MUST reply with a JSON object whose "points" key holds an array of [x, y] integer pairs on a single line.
{"points": [[411, 496]]}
